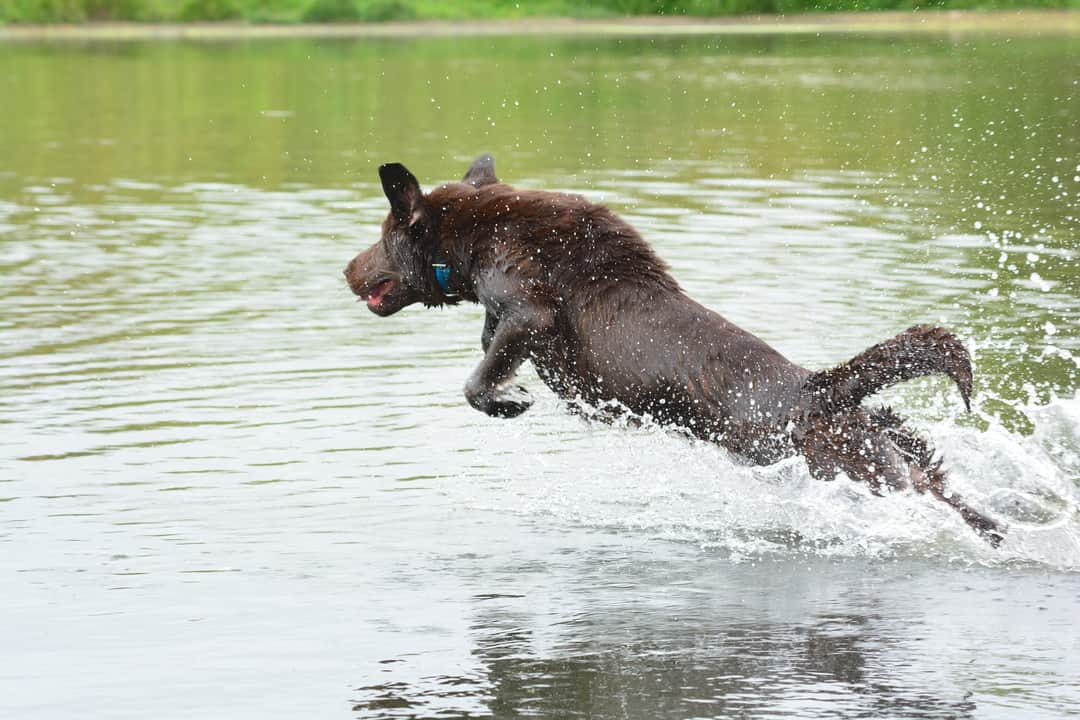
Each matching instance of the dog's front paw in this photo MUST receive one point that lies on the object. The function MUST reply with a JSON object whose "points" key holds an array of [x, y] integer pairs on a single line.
{"points": [[510, 401], [505, 401]]}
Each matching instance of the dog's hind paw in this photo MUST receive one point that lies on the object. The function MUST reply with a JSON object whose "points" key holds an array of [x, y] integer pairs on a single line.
{"points": [[990, 530], [994, 537], [504, 401]]}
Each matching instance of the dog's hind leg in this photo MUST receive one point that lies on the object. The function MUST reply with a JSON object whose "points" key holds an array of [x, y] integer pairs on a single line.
{"points": [[847, 443], [932, 480], [928, 475], [919, 350], [878, 450]]}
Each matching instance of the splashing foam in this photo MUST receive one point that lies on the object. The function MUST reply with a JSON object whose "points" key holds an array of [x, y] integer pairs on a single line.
{"points": [[649, 480]]}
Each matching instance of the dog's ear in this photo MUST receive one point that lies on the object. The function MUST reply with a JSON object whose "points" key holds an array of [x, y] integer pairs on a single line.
{"points": [[482, 172], [403, 192]]}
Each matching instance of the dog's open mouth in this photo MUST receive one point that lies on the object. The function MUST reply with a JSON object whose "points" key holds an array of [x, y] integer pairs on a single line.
{"points": [[375, 295]]}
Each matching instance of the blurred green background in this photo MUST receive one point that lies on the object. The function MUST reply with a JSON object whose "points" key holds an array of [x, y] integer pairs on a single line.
{"points": [[940, 171], [292, 11]]}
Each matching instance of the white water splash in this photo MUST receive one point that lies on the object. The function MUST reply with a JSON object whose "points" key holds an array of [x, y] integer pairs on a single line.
{"points": [[650, 481]]}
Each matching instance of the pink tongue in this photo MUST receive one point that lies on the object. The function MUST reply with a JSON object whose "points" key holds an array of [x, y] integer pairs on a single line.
{"points": [[376, 297]]}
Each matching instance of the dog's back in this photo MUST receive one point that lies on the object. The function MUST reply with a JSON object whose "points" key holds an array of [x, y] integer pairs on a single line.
{"points": [[625, 328], [557, 238]]}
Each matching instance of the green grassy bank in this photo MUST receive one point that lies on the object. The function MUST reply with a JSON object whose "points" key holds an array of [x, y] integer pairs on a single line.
{"points": [[298, 11]]}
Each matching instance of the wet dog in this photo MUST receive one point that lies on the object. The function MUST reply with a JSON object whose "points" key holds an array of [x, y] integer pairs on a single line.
{"points": [[569, 286]]}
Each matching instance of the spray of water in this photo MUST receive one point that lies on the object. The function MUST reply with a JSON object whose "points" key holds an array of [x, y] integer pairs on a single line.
{"points": [[645, 479]]}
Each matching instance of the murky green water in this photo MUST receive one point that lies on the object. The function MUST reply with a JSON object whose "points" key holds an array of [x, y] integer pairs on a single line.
{"points": [[226, 490]]}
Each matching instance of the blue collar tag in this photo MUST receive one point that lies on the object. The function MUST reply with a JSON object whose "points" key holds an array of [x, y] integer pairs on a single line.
{"points": [[442, 276]]}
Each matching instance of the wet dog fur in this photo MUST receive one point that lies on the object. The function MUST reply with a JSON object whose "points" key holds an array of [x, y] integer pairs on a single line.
{"points": [[571, 287]]}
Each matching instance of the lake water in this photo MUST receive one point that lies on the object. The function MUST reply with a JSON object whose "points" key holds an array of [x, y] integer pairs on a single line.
{"points": [[227, 490]]}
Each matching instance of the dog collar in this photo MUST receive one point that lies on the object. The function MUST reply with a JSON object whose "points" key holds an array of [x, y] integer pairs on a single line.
{"points": [[442, 276]]}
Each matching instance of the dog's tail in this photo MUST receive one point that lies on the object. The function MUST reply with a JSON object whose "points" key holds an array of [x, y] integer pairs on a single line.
{"points": [[918, 351]]}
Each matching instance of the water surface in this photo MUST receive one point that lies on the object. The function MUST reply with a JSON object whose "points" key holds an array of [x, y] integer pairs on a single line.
{"points": [[227, 490]]}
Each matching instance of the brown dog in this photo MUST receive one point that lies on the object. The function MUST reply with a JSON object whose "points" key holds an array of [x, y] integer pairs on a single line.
{"points": [[571, 287]]}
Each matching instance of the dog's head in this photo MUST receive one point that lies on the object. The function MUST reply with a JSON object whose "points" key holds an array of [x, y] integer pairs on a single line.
{"points": [[397, 270]]}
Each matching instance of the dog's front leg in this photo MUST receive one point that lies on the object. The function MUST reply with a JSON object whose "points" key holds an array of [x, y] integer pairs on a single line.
{"points": [[512, 339]]}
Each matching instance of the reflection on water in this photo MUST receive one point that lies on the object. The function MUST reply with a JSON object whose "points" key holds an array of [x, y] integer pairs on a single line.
{"points": [[634, 639], [773, 670], [739, 669], [233, 488]]}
